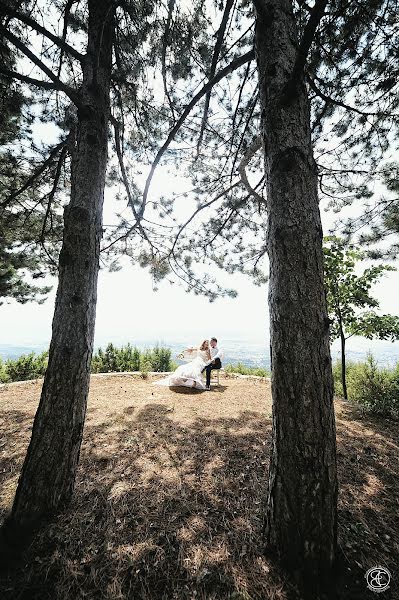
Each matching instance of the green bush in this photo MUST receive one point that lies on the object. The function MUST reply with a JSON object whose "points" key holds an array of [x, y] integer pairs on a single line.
{"points": [[110, 360], [26, 366], [4, 377], [160, 359], [128, 358], [375, 389], [244, 370], [353, 372]]}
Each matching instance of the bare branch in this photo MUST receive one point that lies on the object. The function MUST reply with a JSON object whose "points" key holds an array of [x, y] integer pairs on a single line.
{"points": [[67, 11], [254, 102], [125, 180], [53, 191], [240, 93]]}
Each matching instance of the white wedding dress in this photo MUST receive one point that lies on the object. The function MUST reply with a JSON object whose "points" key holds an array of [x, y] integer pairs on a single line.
{"points": [[189, 374]]}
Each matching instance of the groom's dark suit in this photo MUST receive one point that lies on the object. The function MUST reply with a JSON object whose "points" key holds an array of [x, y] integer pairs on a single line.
{"points": [[216, 365]]}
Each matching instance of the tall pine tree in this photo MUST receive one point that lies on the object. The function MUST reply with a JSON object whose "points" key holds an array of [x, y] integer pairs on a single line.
{"points": [[322, 104]]}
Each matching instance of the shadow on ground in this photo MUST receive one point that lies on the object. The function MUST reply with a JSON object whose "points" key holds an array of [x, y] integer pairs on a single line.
{"points": [[170, 510]]}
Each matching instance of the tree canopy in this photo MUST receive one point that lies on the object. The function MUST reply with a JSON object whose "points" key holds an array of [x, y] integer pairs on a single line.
{"points": [[21, 218], [185, 98], [352, 84]]}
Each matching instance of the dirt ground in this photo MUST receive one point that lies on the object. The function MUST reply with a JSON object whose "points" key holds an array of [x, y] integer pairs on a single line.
{"points": [[170, 492]]}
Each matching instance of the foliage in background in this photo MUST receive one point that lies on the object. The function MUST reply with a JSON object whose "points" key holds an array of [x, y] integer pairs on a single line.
{"points": [[350, 304], [375, 389], [110, 360], [244, 370], [26, 366], [128, 358], [347, 292]]}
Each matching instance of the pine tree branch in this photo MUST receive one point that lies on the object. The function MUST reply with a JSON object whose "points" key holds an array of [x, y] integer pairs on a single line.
{"points": [[61, 43], [215, 58], [222, 226], [330, 169], [235, 64], [327, 98], [67, 12], [165, 42], [304, 47], [70, 92], [53, 191], [49, 160], [137, 216], [247, 122], [199, 209], [249, 153], [47, 85]]}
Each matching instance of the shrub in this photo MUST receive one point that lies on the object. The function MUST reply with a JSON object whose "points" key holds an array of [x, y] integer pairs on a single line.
{"points": [[112, 359], [375, 389], [160, 359], [26, 366], [4, 377], [353, 372], [128, 358]]}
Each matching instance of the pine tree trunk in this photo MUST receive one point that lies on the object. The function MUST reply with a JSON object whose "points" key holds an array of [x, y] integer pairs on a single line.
{"points": [[343, 364], [301, 512], [48, 474]]}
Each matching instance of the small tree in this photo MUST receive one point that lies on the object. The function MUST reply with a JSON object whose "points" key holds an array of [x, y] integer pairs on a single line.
{"points": [[349, 293]]}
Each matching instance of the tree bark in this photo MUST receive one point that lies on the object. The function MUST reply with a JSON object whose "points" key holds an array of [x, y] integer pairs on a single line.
{"points": [[343, 363], [48, 474], [301, 514]]}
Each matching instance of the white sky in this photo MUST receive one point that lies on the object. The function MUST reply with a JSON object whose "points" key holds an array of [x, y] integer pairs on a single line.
{"points": [[129, 309]]}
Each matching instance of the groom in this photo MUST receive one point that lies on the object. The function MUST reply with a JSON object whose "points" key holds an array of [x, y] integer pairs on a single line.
{"points": [[214, 363]]}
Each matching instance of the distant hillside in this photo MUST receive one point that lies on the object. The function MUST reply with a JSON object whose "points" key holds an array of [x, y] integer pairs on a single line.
{"points": [[10, 351], [250, 353]]}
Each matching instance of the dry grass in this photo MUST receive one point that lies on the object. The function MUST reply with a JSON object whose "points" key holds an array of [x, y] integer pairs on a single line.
{"points": [[169, 496]]}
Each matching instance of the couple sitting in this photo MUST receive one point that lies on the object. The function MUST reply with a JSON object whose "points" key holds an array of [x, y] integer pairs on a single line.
{"points": [[203, 359]]}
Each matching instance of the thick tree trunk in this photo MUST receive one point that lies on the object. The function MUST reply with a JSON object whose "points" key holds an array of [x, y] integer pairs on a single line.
{"points": [[48, 474], [301, 513], [343, 364]]}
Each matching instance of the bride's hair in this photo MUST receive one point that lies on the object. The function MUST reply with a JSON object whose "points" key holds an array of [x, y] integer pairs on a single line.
{"points": [[205, 346]]}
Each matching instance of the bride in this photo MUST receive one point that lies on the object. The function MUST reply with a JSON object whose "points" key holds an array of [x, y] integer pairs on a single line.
{"points": [[189, 374]]}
